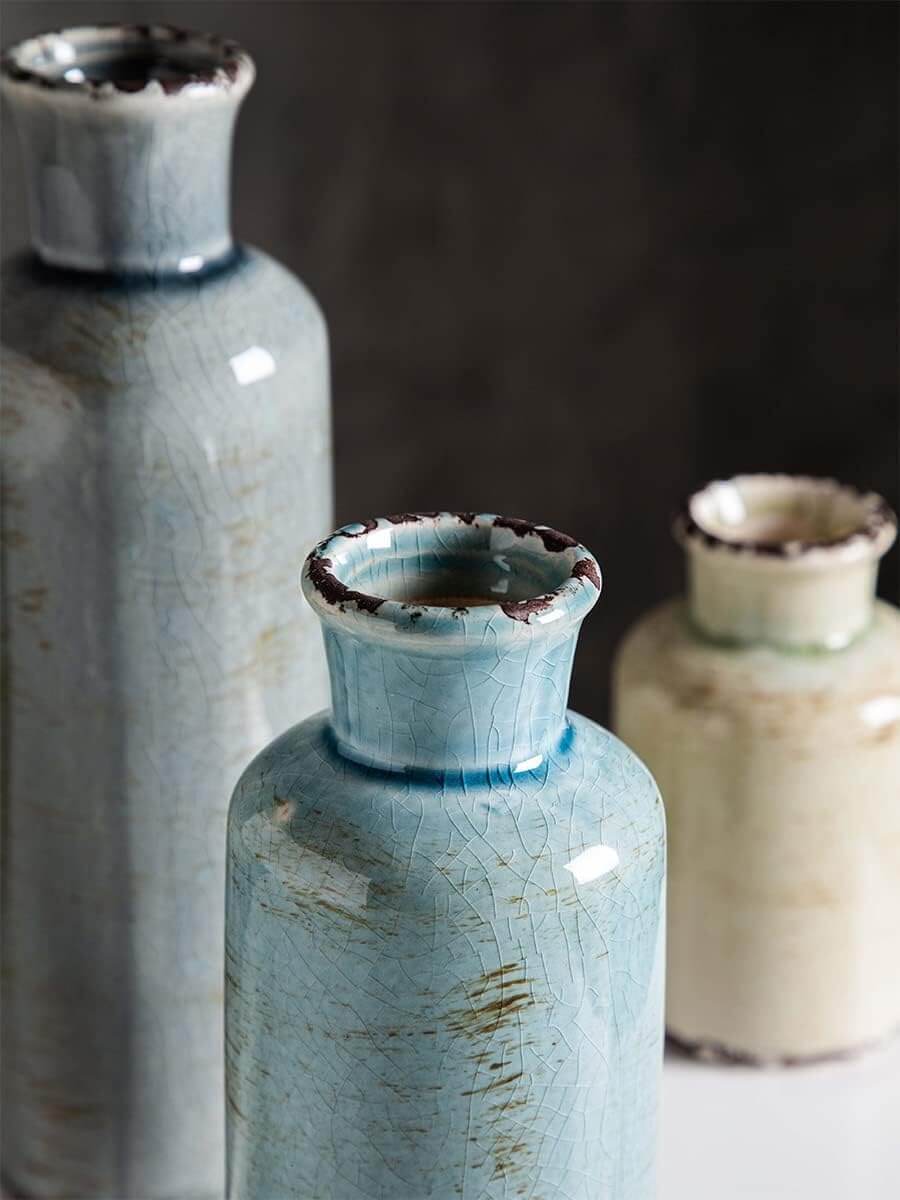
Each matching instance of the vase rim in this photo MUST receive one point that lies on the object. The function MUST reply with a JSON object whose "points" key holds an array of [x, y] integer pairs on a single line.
{"points": [[80, 62], [330, 573], [781, 519]]}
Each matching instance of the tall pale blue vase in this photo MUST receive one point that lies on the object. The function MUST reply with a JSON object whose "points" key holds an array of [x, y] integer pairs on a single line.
{"points": [[165, 459], [444, 951]]}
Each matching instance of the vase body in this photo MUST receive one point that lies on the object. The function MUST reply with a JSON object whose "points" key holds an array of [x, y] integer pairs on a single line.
{"points": [[444, 931], [165, 456], [767, 704]]}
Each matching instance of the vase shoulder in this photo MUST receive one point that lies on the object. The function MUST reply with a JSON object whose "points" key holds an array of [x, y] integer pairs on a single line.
{"points": [[302, 787], [112, 332], [663, 653]]}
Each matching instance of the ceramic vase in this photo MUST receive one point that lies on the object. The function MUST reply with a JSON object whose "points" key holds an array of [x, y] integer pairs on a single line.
{"points": [[767, 704], [444, 929], [165, 459]]}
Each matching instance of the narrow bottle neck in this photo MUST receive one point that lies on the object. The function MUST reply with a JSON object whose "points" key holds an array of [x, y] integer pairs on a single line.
{"points": [[131, 184], [788, 560], [779, 602], [500, 707]]}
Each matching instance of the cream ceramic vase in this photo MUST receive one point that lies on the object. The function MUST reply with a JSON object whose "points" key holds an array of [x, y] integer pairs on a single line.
{"points": [[767, 705]]}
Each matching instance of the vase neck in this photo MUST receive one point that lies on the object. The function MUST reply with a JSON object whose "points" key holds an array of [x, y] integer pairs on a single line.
{"points": [[502, 708], [126, 145], [450, 639], [787, 561], [784, 606]]}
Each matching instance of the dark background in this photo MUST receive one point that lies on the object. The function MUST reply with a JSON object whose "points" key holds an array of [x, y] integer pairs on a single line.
{"points": [[575, 258]]}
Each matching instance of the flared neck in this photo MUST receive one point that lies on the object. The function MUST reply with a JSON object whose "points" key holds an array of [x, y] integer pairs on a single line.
{"points": [[784, 560], [450, 639], [125, 134]]}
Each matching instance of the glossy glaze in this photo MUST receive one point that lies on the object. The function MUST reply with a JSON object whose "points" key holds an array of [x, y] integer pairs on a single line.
{"points": [[165, 459], [444, 935], [768, 706]]}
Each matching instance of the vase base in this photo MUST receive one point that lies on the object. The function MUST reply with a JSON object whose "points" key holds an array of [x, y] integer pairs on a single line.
{"points": [[716, 1052], [9, 1191]]}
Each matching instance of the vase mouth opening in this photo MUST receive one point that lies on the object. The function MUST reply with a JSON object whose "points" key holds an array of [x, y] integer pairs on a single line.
{"points": [[447, 573], [105, 61], [791, 518]]}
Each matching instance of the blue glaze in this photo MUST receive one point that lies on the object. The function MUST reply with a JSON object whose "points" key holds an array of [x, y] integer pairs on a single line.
{"points": [[166, 458], [125, 132], [444, 949]]}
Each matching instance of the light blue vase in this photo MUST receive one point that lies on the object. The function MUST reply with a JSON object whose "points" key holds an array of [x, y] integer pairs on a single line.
{"points": [[444, 947], [166, 459]]}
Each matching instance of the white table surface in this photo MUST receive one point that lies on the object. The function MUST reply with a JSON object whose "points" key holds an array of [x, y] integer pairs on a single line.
{"points": [[824, 1132]]}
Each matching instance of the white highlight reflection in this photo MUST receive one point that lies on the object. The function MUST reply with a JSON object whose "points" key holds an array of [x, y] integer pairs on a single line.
{"points": [[379, 539], [190, 263], [881, 711], [529, 764], [74, 75], [590, 864], [553, 615], [837, 641], [252, 364], [62, 51], [729, 503]]}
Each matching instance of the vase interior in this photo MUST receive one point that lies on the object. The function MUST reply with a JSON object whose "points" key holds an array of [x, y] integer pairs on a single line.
{"points": [[128, 57], [416, 565], [774, 511]]}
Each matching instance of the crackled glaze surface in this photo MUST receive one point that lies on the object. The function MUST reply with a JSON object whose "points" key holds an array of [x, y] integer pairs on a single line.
{"points": [[445, 938], [768, 707], [165, 461]]}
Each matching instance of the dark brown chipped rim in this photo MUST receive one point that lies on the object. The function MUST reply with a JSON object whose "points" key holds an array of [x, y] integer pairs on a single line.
{"points": [[875, 532], [576, 595], [232, 65]]}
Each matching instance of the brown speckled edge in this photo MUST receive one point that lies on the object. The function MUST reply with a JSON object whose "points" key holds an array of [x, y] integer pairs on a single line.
{"points": [[232, 62], [333, 591], [715, 1053], [879, 523], [319, 568], [552, 539]]}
